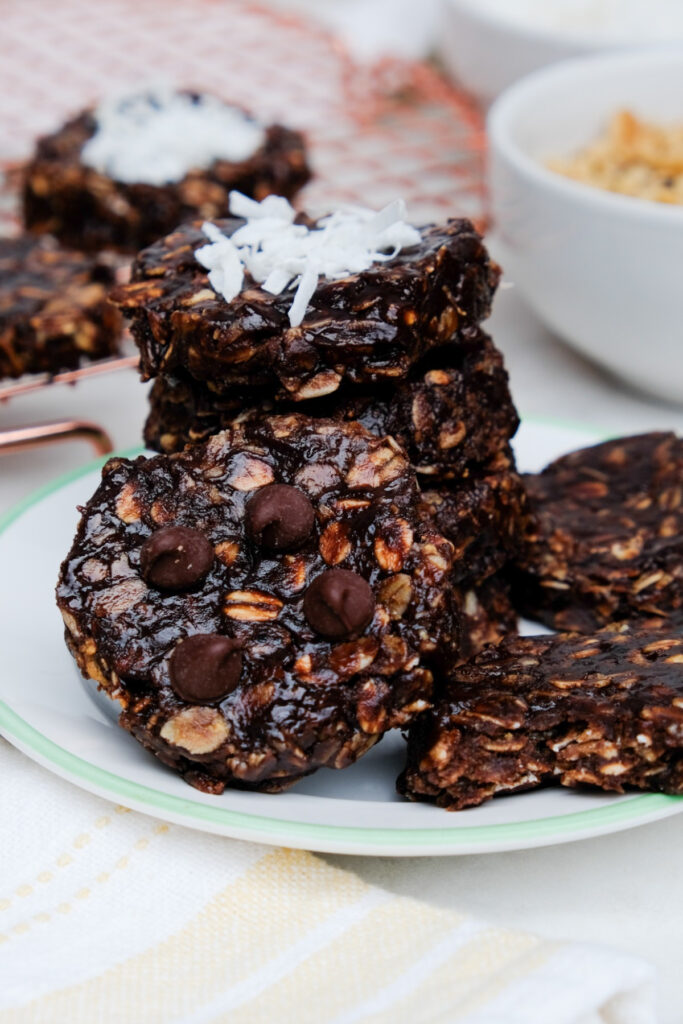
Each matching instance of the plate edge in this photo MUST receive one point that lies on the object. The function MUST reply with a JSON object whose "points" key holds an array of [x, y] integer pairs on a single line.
{"points": [[492, 838]]}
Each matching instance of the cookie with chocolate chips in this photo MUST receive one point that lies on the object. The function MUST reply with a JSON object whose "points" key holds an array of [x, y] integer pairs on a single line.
{"points": [[264, 604]]}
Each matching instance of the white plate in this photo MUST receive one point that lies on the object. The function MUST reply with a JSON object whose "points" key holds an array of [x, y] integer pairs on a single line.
{"points": [[59, 723]]}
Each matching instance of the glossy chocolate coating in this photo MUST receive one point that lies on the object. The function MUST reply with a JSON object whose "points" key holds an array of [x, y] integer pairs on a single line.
{"points": [[205, 668], [339, 603], [280, 517], [175, 557]]}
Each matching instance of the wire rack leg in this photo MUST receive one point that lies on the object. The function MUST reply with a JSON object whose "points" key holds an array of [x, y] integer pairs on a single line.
{"points": [[35, 435]]}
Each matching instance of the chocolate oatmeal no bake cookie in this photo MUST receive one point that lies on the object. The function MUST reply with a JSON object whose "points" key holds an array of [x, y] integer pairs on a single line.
{"points": [[90, 209], [262, 605], [447, 417], [370, 327], [604, 710], [54, 311], [606, 536]]}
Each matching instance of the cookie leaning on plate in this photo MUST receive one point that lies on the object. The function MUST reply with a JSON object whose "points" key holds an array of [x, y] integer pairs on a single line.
{"points": [[604, 710], [262, 605]]}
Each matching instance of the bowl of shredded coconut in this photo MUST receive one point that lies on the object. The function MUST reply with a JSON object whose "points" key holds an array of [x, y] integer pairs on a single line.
{"points": [[586, 183], [489, 44]]}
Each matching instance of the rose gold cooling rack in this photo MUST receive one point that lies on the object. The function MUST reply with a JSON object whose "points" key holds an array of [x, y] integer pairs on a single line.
{"points": [[375, 132]]}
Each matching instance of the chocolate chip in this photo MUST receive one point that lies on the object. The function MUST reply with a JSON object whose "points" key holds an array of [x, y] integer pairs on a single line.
{"points": [[280, 517], [339, 603], [175, 557], [205, 668]]}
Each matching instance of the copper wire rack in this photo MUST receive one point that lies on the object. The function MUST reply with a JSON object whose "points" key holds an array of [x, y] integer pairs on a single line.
{"points": [[34, 435], [375, 132]]}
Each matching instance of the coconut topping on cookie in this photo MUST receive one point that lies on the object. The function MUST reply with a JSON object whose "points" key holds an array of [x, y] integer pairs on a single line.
{"points": [[158, 136], [282, 254]]}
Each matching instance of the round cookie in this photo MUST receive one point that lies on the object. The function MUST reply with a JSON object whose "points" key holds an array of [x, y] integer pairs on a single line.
{"points": [[367, 328], [307, 631], [93, 210]]}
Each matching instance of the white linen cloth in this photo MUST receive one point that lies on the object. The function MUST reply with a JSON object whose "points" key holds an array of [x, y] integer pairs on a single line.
{"points": [[111, 917]]}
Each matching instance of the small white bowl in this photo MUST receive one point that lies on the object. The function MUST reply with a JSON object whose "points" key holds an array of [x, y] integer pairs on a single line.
{"points": [[487, 52], [604, 271]]}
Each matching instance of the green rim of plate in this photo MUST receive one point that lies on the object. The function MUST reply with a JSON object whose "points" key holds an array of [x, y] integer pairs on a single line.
{"points": [[580, 823]]}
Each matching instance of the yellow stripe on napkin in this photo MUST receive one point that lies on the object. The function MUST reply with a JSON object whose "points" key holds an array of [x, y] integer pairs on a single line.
{"points": [[117, 919], [291, 931]]}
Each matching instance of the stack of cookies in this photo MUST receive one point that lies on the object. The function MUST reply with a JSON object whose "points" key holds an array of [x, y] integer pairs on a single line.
{"points": [[396, 347], [324, 529]]}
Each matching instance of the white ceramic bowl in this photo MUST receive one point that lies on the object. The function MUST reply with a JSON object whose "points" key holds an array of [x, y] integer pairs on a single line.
{"points": [[487, 52], [605, 272]]}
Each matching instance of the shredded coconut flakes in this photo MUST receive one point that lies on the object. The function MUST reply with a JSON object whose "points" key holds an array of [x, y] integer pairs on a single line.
{"points": [[281, 255], [158, 136]]}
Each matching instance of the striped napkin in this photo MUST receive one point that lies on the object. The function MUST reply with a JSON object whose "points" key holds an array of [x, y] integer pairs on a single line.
{"points": [[111, 917]]}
